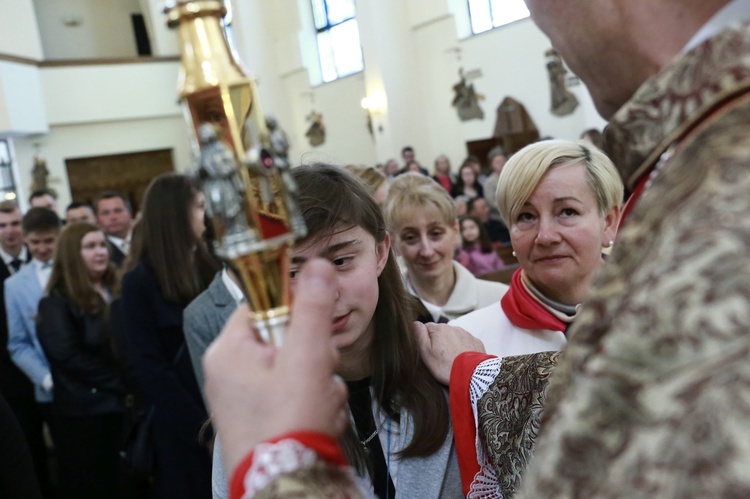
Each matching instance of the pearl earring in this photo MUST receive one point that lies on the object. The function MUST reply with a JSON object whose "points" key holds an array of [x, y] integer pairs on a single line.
{"points": [[514, 253], [610, 243]]}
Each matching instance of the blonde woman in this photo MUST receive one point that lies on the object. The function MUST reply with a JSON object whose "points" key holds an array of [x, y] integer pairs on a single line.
{"points": [[422, 221]]}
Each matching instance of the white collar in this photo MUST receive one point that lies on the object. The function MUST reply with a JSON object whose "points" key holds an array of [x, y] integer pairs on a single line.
{"points": [[119, 240], [232, 287], [461, 300], [734, 12], [40, 266], [7, 257]]}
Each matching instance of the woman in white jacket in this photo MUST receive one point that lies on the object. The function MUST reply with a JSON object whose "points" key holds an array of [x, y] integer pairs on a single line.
{"points": [[422, 221]]}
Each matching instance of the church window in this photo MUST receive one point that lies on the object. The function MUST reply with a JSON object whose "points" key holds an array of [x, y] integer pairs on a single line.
{"points": [[488, 14], [339, 48]]}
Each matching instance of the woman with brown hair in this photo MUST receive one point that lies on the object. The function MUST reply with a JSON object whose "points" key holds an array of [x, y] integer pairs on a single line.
{"points": [[88, 390], [174, 266], [401, 435]]}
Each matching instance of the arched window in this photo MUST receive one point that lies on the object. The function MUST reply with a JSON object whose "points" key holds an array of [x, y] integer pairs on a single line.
{"points": [[339, 49], [488, 14]]}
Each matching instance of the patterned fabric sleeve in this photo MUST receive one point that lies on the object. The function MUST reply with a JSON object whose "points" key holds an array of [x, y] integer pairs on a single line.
{"points": [[508, 416]]}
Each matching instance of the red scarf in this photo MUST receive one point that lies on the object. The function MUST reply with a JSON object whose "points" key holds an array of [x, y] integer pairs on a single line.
{"points": [[524, 311]]}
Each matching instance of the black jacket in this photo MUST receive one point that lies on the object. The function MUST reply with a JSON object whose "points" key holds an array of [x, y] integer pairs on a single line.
{"points": [[161, 364], [17, 477], [86, 377], [116, 256], [13, 382]]}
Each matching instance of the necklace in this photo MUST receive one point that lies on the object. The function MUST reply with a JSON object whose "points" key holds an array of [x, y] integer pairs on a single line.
{"points": [[372, 435]]}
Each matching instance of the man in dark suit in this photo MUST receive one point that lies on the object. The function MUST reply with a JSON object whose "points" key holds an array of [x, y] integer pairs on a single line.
{"points": [[14, 385], [115, 217], [80, 212], [411, 164]]}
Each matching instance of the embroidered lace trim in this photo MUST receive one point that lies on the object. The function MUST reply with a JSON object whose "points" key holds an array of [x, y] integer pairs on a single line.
{"points": [[272, 460], [485, 483]]}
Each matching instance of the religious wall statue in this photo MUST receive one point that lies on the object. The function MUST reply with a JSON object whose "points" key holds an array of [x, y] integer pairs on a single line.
{"points": [[316, 134], [514, 127], [279, 140], [466, 100], [563, 101], [40, 176]]}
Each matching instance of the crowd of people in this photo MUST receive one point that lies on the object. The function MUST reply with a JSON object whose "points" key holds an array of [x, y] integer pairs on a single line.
{"points": [[109, 317], [95, 341], [408, 436]]}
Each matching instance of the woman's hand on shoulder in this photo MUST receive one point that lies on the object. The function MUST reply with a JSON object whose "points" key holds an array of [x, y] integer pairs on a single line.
{"points": [[440, 344]]}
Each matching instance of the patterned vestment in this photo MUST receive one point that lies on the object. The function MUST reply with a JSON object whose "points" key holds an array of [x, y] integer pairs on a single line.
{"points": [[651, 397]]}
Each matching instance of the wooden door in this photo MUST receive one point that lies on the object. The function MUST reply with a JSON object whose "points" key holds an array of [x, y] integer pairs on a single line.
{"points": [[128, 174]]}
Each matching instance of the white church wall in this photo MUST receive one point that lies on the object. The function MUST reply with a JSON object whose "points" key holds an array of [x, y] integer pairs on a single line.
{"points": [[22, 108], [347, 138], [19, 33], [110, 92], [87, 29], [98, 139]]}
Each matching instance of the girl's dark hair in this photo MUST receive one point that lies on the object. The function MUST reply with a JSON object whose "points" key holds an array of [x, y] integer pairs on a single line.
{"points": [[485, 245], [332, 198], [70, 277], [165, 239]]}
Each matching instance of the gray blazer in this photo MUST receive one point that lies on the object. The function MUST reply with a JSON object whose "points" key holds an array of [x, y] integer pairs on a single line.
{"points": [[204, 319], [434, 477]]}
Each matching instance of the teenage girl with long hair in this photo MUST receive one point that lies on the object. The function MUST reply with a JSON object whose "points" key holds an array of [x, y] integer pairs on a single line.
{"points": [[400, 434], [173, 267], [73, 328]]}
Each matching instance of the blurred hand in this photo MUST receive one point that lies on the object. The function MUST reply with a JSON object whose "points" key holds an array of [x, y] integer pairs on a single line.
{"points": [[256, 392], [440, 344], [47, 384]]}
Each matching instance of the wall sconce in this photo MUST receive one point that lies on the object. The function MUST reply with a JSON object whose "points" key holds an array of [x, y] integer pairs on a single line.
{"points": [[374, 105]]}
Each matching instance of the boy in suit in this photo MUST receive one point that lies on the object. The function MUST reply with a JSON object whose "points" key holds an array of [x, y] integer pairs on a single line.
{"points": [[23, 290], [14, 384]]}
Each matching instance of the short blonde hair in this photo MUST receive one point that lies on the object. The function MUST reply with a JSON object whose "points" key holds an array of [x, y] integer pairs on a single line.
{"points": [[526, 168], [411, 190]]}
